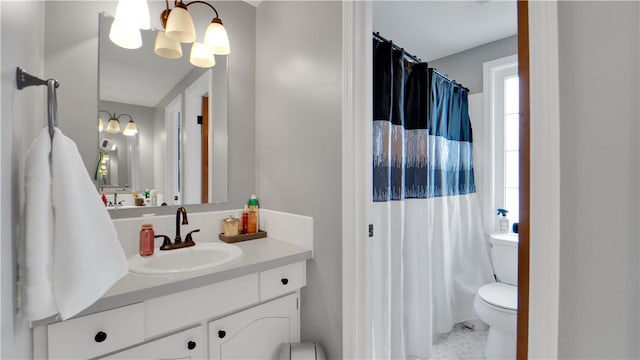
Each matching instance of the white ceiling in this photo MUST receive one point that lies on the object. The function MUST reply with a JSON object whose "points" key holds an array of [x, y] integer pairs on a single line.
{"points": [[435, 29], [427, 29]]}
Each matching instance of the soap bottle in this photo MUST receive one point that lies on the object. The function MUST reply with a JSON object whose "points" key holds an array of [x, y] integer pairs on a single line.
{"points": [[254, 223], [502, 221], [146, 240]]}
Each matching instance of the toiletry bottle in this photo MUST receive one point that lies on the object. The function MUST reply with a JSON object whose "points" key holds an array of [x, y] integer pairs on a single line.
{"points": [[154, 197], [238, 218], [253, 214], [245, 220], [146, 240], [502, 221]]}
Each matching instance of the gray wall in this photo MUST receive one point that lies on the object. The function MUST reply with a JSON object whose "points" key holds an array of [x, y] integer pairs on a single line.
{"points": [[72, 57], [22, 113], [466, 67], [298, 125], [599, 92]]}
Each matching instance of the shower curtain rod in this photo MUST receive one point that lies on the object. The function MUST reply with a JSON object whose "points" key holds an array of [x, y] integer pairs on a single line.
{"points": [[448, 78], [406, 53], [416, 59]]}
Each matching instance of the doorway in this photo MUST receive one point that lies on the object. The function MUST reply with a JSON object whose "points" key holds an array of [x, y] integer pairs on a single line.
{"points": [[358, 29]]}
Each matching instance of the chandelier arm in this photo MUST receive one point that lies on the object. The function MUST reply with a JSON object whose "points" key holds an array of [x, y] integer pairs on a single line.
{"points": [[203, 2], [105, 111]]}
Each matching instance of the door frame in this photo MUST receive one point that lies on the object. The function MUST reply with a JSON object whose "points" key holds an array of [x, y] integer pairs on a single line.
{"points": [[538, 302], [357, 181]]}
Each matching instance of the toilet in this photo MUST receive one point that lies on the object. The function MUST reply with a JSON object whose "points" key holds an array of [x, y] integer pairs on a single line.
{"points": [[497, 303]]}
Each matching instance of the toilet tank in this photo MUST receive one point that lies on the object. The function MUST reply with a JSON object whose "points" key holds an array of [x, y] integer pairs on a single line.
{"points": [[504, 257]]}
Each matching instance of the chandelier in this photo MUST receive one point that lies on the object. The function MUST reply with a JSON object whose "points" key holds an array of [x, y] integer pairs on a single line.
{"points": [[133, 15]]}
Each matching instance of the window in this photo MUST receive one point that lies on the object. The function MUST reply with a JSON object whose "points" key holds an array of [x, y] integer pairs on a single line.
{"points": [[501, 158], [511, 151]]}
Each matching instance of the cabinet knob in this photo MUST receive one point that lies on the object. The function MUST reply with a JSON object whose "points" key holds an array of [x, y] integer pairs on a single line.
{"points": [[222, 334], [284, 281], [191, 345], [100, 336]]}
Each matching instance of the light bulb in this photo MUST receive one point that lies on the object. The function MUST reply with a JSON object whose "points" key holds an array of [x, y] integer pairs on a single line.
{"points": [[166, 47], [130, 129], [125, 34], [201, 56], [180, 26], [113, 126], [216, 38], [135, 12]]}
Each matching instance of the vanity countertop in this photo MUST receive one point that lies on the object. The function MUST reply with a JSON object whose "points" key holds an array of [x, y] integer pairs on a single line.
{"points": [[258, 255]]}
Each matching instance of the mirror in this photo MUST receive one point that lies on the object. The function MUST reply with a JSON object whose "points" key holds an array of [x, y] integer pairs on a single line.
{"points": [[179, 154]]}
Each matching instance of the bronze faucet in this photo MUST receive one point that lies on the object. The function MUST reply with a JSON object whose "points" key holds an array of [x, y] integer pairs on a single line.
{"points": [[177, 242]]}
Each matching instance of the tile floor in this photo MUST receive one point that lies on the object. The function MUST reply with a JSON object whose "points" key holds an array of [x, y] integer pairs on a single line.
{"points": [[461, 343]]}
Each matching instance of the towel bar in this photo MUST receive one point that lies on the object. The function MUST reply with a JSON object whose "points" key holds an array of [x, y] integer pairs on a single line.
{"points": [[24, 79]]}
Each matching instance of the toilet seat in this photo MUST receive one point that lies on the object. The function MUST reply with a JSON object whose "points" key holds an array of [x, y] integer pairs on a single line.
{"points": [[500, 295]]}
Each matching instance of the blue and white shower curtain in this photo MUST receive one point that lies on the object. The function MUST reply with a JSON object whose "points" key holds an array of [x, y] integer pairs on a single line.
{"points": [[429, 255]]}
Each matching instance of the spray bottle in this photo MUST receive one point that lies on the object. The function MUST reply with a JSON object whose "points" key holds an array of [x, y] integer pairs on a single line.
{"points": [[502, 221]]}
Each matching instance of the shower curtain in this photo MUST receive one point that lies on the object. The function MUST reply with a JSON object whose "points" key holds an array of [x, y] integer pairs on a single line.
{"points": [[429, 257]]}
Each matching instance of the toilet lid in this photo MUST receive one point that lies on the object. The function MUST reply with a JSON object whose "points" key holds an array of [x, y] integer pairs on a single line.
{"points": [[500, 295]]}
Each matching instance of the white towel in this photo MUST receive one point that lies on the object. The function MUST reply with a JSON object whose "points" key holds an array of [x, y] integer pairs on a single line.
{"points": [[37, 291], [85, 255]]}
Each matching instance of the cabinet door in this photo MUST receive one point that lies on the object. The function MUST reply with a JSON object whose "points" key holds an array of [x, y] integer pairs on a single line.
{"points": [[186, 344], [256, 333]]}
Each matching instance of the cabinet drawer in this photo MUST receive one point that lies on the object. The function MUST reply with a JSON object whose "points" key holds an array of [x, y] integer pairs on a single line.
{"points": [[282, 280], [96, 334], [188, 344]]}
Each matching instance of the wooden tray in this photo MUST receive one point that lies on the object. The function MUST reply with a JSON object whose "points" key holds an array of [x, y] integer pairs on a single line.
{"points": [[242, 237]]}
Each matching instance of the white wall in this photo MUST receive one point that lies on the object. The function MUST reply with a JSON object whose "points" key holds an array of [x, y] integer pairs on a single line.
{"points": [[22, 114], [298, 127], [599, 116]]}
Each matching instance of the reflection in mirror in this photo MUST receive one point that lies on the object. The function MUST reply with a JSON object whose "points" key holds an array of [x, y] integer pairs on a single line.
{"points": [[179, 153]]}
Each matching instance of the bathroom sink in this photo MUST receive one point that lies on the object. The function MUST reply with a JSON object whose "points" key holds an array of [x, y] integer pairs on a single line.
{"points": [[202, 256]]}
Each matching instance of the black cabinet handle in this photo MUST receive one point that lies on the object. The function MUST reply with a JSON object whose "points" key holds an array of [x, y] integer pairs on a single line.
{"points": [[191, 345], [100, 336], [284, 281], [222, 334]]}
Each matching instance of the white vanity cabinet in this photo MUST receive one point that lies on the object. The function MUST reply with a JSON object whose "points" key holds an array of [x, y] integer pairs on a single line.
{"points": [[258, 332], [247, 316], [186, 344]]}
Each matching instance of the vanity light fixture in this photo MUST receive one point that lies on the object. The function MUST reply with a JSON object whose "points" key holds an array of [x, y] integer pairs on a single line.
{"points": [[132, 15], [179, 28], [113, 126]]}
